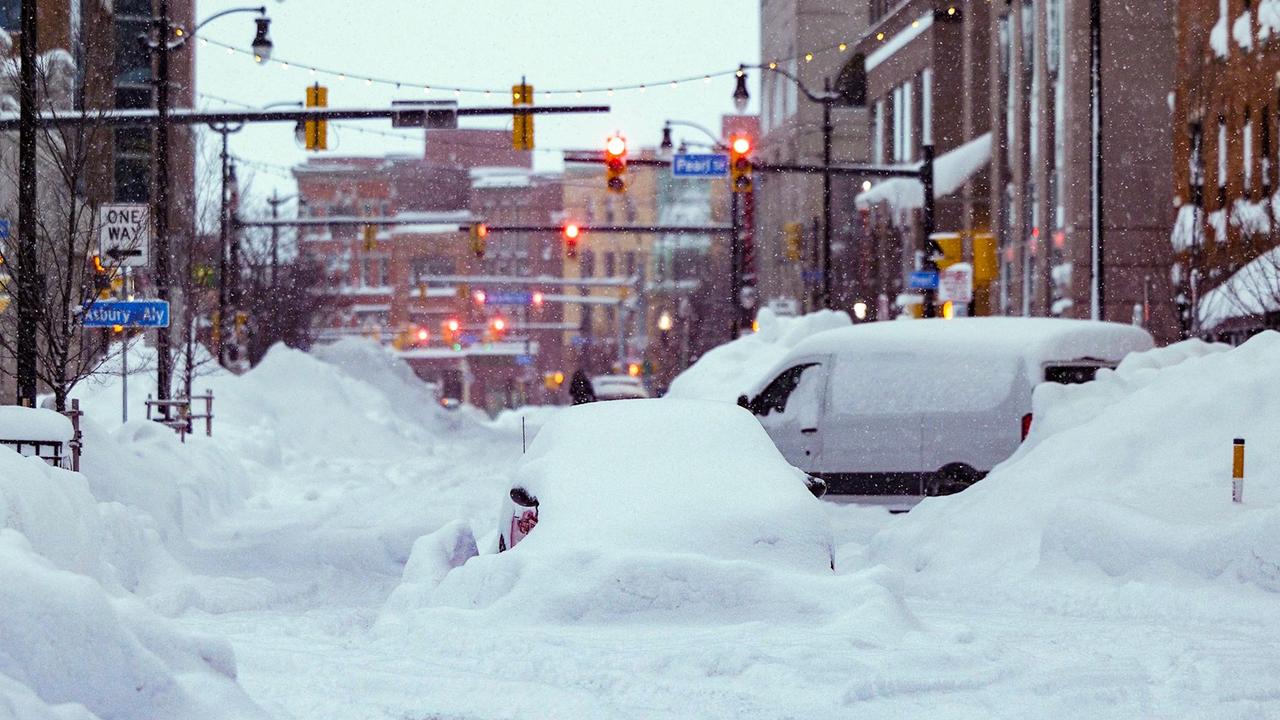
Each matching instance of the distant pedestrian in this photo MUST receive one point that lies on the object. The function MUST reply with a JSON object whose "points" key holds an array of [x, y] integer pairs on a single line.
{"points": [[580, 389]]}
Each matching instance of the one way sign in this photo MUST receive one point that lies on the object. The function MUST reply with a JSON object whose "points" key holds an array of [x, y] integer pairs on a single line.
{"points": [[124, 233]]}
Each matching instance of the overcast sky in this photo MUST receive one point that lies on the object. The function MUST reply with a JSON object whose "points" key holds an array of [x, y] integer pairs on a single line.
{"points": [[557, 44]]}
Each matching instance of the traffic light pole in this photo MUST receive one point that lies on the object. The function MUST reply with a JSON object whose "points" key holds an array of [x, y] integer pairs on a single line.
{"points": [[29, 279], [735, 269], [926, 229], [827, 100]]}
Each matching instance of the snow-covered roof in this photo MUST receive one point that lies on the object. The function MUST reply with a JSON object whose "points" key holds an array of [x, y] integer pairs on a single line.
{"points": [[950, 171]]}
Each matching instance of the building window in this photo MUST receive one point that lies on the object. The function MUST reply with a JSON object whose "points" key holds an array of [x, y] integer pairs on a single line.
{"points": [[11, 15], [610, 264], [630, 264], [587, 264], [908, 123], [926, 106], [1247, 154], [877, 133], [375, 272], [1222, 161], [896, 130], [1265, 151], [133, 60], [1195, 162], [133, 179]]}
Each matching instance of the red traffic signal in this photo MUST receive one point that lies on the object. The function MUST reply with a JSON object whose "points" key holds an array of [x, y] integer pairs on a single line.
{"points": [[615, 163], [740, 166], [422, 335], [537, 299], [571, 232]]}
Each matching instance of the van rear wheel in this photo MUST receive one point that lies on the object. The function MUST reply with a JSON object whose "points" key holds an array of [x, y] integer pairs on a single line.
{"points": [[951, 480]]}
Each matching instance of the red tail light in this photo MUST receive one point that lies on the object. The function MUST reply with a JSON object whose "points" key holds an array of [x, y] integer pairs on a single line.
{"points": [[1026, 425]]}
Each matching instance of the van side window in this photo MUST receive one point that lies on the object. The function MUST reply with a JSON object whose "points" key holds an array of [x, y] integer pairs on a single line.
{"points": [[774, 396]]}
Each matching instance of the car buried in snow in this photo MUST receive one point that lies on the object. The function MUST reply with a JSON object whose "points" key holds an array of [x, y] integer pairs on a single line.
{"points": [[665, 476], [894, 411]]}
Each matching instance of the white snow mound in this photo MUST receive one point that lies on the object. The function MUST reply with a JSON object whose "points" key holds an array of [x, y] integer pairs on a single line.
{"points": [[1129, 475]]}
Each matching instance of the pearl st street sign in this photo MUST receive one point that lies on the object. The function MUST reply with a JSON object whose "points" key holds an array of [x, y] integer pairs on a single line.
{"points": [[124, 233], [127, 313], [707, 165]]}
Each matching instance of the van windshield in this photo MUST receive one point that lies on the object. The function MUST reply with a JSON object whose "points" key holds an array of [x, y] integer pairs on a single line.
{"points": [[901, 384]]}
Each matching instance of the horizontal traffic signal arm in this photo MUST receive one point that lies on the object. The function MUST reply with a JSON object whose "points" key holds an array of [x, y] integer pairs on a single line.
{"points": [[530, 281], [357, 220], [187, 116], [888, 171]]}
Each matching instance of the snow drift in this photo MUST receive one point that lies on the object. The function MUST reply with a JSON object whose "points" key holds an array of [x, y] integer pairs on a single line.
{"points": [[670, 511], [1127, 476], [727, 371]]}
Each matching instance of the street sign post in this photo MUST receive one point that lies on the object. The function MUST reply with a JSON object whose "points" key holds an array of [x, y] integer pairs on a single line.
{"points": [[705, 165], [509, 298], [955, 283], [923, 280], [124, 233], [127, 314]]}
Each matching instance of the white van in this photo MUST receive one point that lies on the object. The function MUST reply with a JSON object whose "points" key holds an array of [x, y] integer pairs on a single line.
{"points": [[923, 407]]}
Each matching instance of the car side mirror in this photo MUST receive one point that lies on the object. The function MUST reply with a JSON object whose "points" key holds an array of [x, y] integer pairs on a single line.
{"points": [[816, 485], [521, 497]]}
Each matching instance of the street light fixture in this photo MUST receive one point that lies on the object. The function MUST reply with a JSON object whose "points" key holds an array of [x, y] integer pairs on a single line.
{"points": [[740, 94], [261, 40], [828, 99], [164, 39]]}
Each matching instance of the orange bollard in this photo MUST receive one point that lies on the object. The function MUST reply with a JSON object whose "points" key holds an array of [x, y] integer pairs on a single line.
{"points": [[1237, 471]]}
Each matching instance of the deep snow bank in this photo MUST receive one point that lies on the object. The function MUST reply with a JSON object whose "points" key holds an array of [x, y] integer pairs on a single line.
{"points": [[1129, 476], [65, 639], [731, 369]]}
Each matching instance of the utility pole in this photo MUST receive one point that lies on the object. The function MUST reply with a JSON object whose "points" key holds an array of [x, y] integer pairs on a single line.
{"points": [[1098, 294], [164, 361], [275, 201], [735, 274], [30, 287], [827, 100], [926, 228]]}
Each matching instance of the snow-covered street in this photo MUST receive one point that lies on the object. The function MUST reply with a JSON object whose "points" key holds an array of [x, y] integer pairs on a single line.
{"points": [[319, 537]]}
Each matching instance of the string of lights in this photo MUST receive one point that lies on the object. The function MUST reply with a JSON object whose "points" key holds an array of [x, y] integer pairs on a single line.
{"points": [[459, 90]]}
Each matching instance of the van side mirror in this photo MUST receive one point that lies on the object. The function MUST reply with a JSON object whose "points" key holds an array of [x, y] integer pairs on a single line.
{"points": [[523, 498], [744, 402], [816, 485]]}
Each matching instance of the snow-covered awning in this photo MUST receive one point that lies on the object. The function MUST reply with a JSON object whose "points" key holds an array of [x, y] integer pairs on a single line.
{"points": [[1253, 290], [950, 171]]}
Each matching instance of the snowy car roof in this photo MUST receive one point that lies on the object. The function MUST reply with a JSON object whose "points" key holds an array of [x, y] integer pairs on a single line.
{"points": [[1038, 340]]}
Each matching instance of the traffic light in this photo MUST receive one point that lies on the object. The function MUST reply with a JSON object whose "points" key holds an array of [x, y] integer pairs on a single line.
{"points": [[793, 241], [537, 299], [101, 278], [521, 123], [422, 336], [498, 328], [449, 330], [571, 232], [740, 163], [480, 297], [370, 234], [479, 236], [615, 163], [634, 369], [317, 131]]}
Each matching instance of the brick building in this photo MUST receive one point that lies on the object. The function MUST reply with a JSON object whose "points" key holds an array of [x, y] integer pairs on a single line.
{"points": [[1042, 173], [1225, 148], [381, 286], [926, 68], [802, 37]]}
